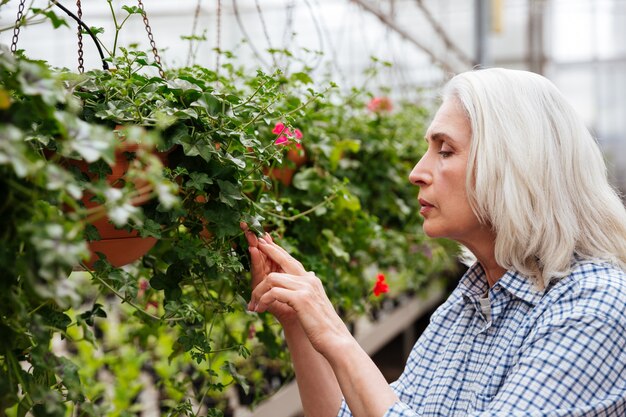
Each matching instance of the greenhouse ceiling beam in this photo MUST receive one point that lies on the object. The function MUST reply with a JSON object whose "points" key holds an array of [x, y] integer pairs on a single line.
{"points": [[387, 20], [444, 35]]}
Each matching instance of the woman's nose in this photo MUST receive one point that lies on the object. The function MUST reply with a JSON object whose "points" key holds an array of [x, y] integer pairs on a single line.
{"points": [[420, 175]]}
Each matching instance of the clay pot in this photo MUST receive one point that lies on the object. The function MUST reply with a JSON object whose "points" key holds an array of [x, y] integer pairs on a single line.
{"points": [[120, 246], [285, 173]]}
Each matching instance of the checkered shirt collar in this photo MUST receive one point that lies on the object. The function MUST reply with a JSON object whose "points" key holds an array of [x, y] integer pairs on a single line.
{"points": [[474, 285]]}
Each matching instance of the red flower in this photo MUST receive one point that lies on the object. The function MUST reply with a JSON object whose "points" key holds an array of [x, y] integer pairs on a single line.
{"points": [[380, 104], [381, 286]]}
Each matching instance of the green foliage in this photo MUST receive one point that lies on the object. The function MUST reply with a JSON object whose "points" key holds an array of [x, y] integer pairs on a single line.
{"points": [[178, 315]]}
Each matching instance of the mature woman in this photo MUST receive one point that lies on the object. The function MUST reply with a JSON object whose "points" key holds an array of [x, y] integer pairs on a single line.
{"points": [[537, 325]]}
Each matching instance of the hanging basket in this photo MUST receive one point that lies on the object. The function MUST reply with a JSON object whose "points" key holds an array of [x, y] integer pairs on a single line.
{"points": [[120, 246]]}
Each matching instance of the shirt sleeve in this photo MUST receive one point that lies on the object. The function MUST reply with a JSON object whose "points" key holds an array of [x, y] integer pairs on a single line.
{"points": [[572, 366]]}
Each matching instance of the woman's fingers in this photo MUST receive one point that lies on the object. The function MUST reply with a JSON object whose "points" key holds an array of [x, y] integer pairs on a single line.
{"points": [[277, 254], [250, 236], [276, 280], [276, 294], [259, 265]]}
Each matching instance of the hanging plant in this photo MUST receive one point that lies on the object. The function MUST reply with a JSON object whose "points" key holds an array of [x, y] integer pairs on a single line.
{"points": [[177, 315]]}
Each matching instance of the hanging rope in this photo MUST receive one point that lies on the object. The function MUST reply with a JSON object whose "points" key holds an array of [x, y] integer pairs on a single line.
{"points": [[196, 16], [242, 28], [81, 62], [267, 36], [18, 23], [157, 58]]}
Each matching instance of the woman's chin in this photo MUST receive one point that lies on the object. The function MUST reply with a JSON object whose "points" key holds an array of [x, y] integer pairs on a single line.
{"points": [[432, 232]]}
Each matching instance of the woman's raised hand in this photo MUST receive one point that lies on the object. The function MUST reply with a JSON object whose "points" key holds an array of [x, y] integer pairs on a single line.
{"points": [[283, 287]]}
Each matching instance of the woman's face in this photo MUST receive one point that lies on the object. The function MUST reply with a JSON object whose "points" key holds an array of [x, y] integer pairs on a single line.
{"points": [[440, 174]]}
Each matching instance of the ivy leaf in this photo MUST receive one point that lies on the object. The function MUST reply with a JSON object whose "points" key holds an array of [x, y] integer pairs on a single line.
{"points": [[208, 102], [240, 379], [89, 316], [69, 373], [54, 318], [229, 193], [91, 233], [224, 219], [238, 162], [150, 228], [198, 180]]}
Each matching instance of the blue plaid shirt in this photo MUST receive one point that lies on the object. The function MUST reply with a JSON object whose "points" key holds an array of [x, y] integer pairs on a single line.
{"points": [[559, 352]]}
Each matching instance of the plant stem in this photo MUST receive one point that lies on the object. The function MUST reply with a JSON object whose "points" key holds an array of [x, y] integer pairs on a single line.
{"points": [[326, 200], [252, 96], [309, 101], [242, 128], [126, 300], [117, 28]]}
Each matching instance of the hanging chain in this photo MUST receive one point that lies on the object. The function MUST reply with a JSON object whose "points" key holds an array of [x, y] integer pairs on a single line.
{"points": [[18, 23], [81, 67], [219, 37], [157, 58]]}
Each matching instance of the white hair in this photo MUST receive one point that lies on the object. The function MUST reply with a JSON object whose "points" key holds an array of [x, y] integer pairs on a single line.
{"points": [[536, 175]]}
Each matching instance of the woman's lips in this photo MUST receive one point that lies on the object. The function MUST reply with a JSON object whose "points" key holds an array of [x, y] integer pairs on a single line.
{"points": [[426, 207]]}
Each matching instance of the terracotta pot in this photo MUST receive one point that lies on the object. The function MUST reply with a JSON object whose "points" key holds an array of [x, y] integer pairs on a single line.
{"points": [[120, 246], [285, 172]]}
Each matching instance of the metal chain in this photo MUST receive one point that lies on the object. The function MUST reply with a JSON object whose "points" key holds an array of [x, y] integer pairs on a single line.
{"points": [[157, 58], [219, 37], [81, 66], [18, 23]]}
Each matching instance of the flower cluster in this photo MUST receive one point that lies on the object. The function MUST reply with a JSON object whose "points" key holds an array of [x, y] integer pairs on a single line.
{"points": [[381, 286], [284, 135], [380, 105]]}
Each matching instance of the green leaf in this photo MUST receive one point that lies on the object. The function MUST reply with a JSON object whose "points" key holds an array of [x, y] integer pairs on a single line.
{"points": [[198, 180], [302, 77], [208, 102], [56, 21], [132, 9], [240, 379], [241, 164], [229, 192], [54, 318]]}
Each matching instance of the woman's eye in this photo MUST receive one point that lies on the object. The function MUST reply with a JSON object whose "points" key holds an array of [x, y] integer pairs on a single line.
{"points": [[445, 154]]}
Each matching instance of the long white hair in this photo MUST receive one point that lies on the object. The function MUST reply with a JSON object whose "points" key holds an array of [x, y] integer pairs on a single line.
{"points": [[536, 175]]}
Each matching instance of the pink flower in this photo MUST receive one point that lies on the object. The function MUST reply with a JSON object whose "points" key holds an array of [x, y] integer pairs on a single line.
{"points": [[280, 128], [284, 135], [380, 104], [381, 286]]}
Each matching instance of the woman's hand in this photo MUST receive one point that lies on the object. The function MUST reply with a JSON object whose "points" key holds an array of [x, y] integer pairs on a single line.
{"points": [[283, 287], [261, 266]]}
